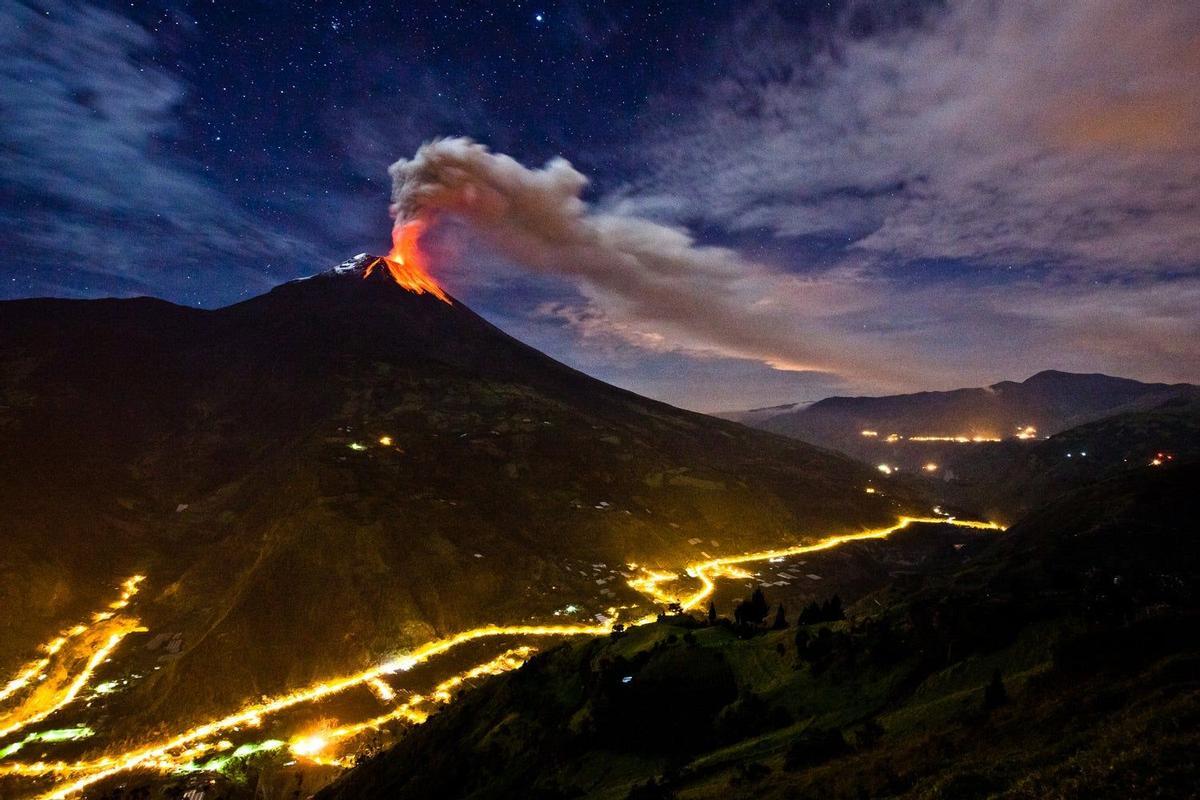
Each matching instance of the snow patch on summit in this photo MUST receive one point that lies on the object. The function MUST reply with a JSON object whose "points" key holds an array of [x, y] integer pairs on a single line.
{"points": [[351, 264]]}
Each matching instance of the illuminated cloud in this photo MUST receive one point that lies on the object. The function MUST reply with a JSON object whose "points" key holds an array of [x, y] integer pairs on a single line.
{"points": [[1048, 132]]}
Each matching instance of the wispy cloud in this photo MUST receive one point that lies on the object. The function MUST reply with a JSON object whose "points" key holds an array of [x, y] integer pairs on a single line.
{"points": [[1057, 132], [102, 199], [967, 192]]}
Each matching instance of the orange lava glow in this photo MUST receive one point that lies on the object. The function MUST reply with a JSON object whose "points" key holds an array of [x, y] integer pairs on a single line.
{"points": [[407, 264]]}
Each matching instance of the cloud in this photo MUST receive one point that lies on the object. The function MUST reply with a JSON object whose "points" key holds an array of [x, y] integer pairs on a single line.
{"points": [[104, 197], [1058, 131], [653, 282], [959, 193]]}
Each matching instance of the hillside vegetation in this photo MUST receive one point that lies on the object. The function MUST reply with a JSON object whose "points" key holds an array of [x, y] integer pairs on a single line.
{"points": [[1061, 661]]}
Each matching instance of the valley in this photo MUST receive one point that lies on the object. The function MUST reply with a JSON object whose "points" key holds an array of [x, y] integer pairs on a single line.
{"points": [[211, 745]]}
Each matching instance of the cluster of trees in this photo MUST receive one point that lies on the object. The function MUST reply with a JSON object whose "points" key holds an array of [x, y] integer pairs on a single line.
{"points": [[754, 611], [829, 611]]}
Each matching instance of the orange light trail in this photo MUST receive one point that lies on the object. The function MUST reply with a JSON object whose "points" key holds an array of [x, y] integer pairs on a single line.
{"points": [[34, 668], [310, 746], [45, 699], [76, 685], [159, 755], [707, 571]]}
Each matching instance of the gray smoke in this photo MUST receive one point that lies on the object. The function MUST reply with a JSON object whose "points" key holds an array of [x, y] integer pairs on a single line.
{"points": [[641, 275]]}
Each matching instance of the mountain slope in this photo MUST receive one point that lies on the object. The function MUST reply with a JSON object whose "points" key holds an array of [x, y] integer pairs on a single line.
{"points": [[1086, 610], [338, 469], [1049, 401], [1006, 479]]}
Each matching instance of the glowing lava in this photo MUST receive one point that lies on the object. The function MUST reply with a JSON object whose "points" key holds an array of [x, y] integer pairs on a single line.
{"points": [[406, 262]]}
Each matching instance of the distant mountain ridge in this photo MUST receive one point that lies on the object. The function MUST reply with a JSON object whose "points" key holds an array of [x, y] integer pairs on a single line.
{"points": [[1050, 401]]}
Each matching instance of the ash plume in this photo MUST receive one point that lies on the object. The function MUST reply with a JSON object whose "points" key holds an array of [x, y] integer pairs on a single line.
{"points": [[639, 275]]}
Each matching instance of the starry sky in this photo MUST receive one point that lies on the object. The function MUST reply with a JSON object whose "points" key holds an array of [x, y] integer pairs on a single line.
{"points": [[927, 194]]}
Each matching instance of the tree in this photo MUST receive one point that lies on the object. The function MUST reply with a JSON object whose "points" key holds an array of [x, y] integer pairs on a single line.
{"points": [[780, 619], [758, 608], [829, 611], [995, 695], [832, 610], [712, 612], [753, 611], [801, 641]]}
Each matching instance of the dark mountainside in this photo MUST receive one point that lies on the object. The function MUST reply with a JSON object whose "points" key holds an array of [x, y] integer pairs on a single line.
{"points": [[1003, 480], [235, 458], [1049, 401], [1060, 662]]}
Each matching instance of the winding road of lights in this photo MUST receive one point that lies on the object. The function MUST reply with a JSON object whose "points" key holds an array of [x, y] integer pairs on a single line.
{"points": [[182, 751], [39, 689], [33, 669]]}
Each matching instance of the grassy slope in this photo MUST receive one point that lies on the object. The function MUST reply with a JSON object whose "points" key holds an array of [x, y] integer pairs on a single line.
{"points": [[1088, 610]]}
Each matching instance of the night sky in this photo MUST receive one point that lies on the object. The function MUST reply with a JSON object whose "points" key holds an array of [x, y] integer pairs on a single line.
{"points": [[929, 194]]}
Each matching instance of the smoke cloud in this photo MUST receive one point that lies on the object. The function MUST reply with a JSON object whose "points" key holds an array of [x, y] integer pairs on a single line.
{"points": [[651, 279]]}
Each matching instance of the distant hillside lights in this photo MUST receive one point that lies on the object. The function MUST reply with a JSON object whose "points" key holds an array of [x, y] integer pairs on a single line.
{"points": [[1024, 432]]}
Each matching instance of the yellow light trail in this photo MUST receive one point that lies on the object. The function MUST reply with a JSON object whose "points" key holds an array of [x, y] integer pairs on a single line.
{"points": [[158, 756], [382, 690], [707, 571], [312, 745], [30, 671], [75, 686]]}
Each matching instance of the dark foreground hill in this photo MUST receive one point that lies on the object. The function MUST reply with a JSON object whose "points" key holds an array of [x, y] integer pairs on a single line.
{"points": [[1049, 402], [318, 477], [1060, 662]]}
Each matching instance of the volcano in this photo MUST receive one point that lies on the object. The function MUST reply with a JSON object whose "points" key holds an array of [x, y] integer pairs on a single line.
{"points": [[342, 468]]}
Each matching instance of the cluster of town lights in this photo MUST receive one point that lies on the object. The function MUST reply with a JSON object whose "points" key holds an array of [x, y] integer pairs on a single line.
{"points": [[1022, 432]]}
